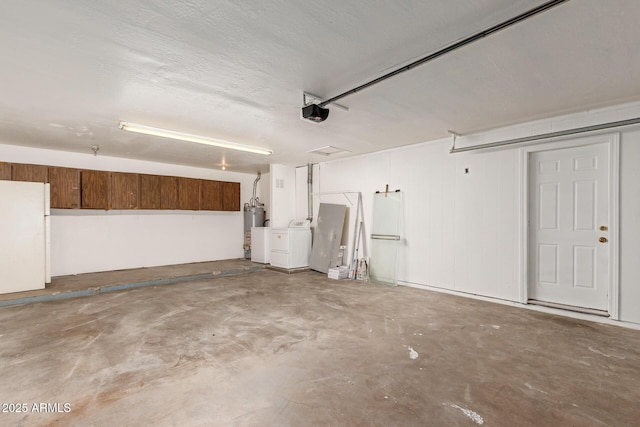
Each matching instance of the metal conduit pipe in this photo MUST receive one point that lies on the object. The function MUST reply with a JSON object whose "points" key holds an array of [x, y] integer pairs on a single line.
{"points": [[310, 192], [547, 135]]}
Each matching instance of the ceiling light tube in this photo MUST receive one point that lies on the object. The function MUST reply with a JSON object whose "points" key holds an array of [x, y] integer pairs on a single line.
{"points": [[172, 134]]}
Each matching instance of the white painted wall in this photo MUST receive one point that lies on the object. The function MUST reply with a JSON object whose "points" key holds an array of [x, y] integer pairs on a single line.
{"points": [[301, 210], [630, 226], [283, 193], [264, 191], [462, 230], [85, 241]]}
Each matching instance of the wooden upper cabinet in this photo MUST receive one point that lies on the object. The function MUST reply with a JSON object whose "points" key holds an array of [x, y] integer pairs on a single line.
{"points": [[5, 171], [150, 195], [90, 189], [231, 196], [95, 189], [188, 194], [168, 192], [211, 195], [29, 173], [65, 187], [124, 190]]}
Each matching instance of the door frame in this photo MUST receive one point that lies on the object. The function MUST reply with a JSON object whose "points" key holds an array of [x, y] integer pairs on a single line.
{"points": [[613, 141]]}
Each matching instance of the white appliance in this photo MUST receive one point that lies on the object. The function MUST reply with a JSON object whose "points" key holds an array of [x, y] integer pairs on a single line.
{"points": [[260, 251], [24, 227], [291, 246]]}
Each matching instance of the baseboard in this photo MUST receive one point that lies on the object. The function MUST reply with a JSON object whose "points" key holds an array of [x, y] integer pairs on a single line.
{"points": [[598, 318]]}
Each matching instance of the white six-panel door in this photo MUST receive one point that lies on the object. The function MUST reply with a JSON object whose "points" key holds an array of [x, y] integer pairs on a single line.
{"points": [[568, 223]]}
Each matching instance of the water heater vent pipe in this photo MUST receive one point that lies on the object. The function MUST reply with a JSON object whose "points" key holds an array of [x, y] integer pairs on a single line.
{"points": [[254, 200]]}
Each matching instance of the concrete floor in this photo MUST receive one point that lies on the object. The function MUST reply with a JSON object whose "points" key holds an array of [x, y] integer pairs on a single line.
{"points": [[267, 348]]}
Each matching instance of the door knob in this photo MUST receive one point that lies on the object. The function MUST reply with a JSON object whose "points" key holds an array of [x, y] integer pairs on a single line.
{"points": [[602, 240]]}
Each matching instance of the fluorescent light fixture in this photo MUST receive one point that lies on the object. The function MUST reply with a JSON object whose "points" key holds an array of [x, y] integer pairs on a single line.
{"points": [[172, 134]]}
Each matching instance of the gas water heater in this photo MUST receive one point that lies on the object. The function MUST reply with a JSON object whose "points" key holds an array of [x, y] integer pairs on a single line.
{"points": [[253, 217]]}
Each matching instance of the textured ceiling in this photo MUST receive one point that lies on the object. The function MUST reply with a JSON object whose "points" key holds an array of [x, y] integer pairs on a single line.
{"points": [[236, 70]]}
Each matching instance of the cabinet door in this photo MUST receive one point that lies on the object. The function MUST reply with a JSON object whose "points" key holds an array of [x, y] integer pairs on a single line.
{"points": [[95, 189], [150, 192], [124, 190], [65, 187], [211, 195], [168, 192], [5, 171], [188, 194], [231, 196], [29, 173]]}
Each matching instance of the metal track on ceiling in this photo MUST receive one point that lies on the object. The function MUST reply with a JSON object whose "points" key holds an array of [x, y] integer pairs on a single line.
{"points": [[468, 40]]}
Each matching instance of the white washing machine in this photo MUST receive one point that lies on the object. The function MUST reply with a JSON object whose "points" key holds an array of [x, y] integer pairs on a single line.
{"points": [[291, 246]]}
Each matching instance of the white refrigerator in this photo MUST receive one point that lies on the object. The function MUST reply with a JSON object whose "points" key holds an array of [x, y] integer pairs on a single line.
{"points": [[24, 236]]}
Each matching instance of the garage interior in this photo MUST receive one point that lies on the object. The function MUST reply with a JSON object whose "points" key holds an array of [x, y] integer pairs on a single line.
{"points": [[502, 289]]}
